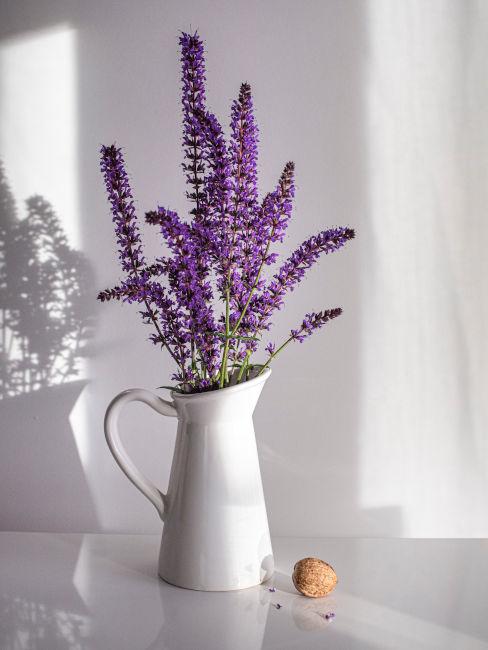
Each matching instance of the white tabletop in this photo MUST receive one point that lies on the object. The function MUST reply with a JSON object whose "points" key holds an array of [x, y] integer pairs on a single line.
{"points": [[101, 592]]}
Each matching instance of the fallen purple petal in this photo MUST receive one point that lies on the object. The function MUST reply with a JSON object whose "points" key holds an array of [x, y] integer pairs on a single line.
{"points": [[327, 616]]}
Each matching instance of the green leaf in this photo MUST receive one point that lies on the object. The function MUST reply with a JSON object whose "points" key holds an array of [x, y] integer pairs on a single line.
{"points": [[173, 388], [235, 336]]}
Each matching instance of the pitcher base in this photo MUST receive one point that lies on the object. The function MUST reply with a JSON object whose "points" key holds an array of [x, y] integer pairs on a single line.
{"points": [[216, 588]]}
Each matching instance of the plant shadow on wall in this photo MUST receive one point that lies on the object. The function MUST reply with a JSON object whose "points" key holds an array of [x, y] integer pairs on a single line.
{"points": [[46, 324]]}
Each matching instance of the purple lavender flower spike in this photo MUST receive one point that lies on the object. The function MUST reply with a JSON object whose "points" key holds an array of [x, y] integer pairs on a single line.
{"points": [[214, 232], [244, 159], [173, 327], [312, 322], [121, 292], [193, 100], [192, 291], [270, 224], [128, 238], [200, 239], [294, 269], [270, 348], [277, 206], [175, 232], [238, 243], [244, 151], [123, 211]]}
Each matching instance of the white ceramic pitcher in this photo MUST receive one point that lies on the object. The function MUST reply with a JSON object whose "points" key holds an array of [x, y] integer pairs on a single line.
{"points": [[216, 535]]}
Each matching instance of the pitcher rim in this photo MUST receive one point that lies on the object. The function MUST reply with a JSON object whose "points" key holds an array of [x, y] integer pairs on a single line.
{"points": [[260, 379]]}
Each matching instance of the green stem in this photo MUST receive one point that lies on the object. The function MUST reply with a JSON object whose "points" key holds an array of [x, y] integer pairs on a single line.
{"points": [[197, 357], [275, 354], [245, 363], [223, 367]]}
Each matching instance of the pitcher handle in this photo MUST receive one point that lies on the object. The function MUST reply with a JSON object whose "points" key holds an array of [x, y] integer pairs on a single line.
{"points": [[112, 435]]}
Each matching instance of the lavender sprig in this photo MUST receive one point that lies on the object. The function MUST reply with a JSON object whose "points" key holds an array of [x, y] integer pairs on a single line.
{"points": [[122, 292], [244, 157], [218, 189], [294, 269], [127, 231], [123, 211], [269, 227], [189, 286], [237, 240], [193, 100], [312, 322]]}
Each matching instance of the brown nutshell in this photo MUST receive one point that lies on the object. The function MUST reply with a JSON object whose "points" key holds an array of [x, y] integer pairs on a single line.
{"points": [[313, 577]]}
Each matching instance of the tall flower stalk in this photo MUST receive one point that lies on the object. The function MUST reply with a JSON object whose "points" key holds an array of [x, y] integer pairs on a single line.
{"points": [[223, 249]]}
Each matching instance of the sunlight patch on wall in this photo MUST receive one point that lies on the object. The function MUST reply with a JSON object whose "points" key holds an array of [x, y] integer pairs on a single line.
{"points": [[44, 319], [38, 126], [49, 319]]}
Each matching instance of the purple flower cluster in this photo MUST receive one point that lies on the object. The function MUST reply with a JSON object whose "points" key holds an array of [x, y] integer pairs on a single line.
{"points": [[294, 269], [221, 252], [123, 211], [193, 100], [312, 322]]}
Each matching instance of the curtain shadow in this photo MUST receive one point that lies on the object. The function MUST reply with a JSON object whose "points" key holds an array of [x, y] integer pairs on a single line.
{"points": [[46, 323]]}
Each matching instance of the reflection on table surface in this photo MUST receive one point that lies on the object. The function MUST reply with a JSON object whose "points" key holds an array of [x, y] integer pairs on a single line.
{"points": [[95, 592]]}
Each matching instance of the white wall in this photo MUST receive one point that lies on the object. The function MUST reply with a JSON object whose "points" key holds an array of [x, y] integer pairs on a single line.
{"points": [[374, 427]]}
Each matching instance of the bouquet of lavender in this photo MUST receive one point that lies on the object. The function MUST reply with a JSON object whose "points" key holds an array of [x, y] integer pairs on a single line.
{"points": [[221, 252]]}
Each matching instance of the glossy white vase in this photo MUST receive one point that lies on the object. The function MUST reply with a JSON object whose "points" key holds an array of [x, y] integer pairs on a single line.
{"points": [[216, 535]]}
